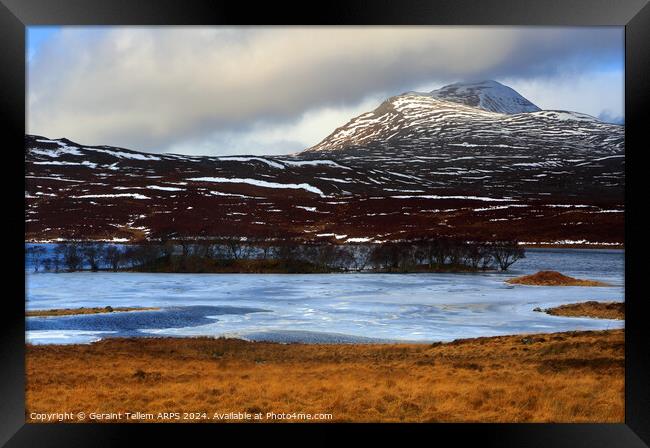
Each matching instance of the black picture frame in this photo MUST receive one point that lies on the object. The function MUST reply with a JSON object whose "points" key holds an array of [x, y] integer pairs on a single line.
{"points": [[15, 15]]}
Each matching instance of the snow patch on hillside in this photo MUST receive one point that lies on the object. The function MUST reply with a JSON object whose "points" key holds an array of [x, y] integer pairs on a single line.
{"points": [[270, 163], [260, 183], [118, 195]]}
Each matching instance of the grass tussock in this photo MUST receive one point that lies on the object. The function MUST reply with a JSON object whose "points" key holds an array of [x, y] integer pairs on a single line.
{"points": [[561, 377], [598, 310], [82, 310], [552, 278]]}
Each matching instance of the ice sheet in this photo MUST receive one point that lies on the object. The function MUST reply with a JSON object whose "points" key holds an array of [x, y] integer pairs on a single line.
{"points": [[326, 307]]}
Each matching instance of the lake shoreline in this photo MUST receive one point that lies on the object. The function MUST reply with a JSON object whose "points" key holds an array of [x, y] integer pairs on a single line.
{"points": [[541, 245], [517, 378]]}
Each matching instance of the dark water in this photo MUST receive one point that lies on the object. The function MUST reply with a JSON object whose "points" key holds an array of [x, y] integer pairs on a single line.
{"points": [[125, 324]]}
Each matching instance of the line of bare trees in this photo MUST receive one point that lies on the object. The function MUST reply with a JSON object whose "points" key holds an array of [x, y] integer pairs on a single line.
{"points": [[440, 253], [190, 255]]}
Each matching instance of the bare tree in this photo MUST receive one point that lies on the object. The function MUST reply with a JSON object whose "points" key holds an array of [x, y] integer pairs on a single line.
{"points": [[71, 256], [112, 257], [47, 264], [486, 259], [360, 256], [346, 259], [456, 251], [392, 256], [505, 253], [435, 251], [167, 244], [266, 250], [472, 255], [92, 254], [327, 255], [56, 262], [378, 258], [35, 253], [235, 247], [142, 255], [287, 251]]}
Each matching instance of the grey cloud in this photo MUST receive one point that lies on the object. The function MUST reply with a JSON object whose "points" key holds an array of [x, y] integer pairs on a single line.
{"points": [[609, 117], [162, 88]]}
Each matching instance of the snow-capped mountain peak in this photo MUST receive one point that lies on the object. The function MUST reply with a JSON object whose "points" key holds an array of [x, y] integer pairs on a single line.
{"points": [[487, 95], [431, 122]]}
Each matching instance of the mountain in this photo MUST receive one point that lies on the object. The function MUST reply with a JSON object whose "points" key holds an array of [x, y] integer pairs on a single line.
{"points": [[418, 165], [427, 123]]}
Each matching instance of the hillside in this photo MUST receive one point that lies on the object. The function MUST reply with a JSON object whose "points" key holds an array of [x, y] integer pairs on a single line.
{"points": [[421, 164]]}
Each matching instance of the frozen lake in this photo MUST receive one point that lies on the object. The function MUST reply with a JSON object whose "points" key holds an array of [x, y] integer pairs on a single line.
{"points": [[324, 307]]}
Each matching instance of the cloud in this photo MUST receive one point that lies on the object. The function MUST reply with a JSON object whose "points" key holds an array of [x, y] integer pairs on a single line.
{"points": [[274, 89], [277, 138], [598, 93], [611, 117]]}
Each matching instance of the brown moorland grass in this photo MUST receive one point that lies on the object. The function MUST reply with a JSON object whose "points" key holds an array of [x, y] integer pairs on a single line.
{"points": [[75, 311], [560, 377], [598, 310], [552, 278]]}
